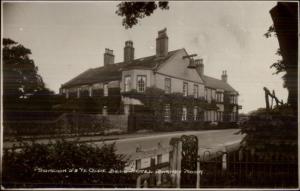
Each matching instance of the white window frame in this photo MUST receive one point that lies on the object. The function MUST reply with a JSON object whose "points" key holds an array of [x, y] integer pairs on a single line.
{"points": [[141, 87], [195, 113], [127, 83], [105, 89], [196, 91], [184, 114], [167, 112], [168, 85], [185, 88]]}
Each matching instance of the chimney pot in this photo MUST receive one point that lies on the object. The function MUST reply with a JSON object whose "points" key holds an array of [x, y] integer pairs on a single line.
{"points": [[200, 66], [109, 57], [224, 76], [162, 43], [128, 51]]}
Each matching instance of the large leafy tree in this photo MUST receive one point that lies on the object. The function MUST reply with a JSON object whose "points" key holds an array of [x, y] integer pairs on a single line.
{"points": [[20, 75], [133, 11]]}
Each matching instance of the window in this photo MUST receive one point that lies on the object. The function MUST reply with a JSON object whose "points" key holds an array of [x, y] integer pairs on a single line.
{"points": [[184, 114], [141, 83], [90, 92], [167, 85], [185, 88], [195, 113], [167, 113], [104, 110], [138, 164], [105, 90], [159, 159], [127, 82], [196, 90]]}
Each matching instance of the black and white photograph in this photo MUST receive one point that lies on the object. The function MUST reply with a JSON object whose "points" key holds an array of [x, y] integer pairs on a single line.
{"points": [[149, 95]]}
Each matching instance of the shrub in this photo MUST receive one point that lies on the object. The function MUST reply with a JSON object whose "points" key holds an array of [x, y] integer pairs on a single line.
{"points": [[22, 168]]}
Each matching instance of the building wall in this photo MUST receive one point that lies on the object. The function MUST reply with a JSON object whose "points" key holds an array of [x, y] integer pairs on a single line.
{"points": [[133, 73], [177, 84], [178, 67]]}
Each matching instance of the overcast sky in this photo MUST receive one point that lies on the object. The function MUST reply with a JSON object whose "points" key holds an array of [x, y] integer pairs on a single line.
{"points": [[67, 38]]}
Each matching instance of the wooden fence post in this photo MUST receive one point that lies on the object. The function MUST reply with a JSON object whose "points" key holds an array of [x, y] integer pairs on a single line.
{"points": [[138, 182], [178, 168], [224, 161], [198, 172]]}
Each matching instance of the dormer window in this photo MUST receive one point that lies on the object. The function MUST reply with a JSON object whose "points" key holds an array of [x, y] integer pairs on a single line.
{"points": [[141, 83]]}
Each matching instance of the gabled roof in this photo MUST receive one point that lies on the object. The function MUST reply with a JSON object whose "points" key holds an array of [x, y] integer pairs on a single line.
{"points": [[114, 71], [217, 84]]}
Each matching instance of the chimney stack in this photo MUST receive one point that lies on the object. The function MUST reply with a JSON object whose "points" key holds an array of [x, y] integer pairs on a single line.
{"points": [[109, 57], [128, 51], [200, 66], [224, 76], [162, 43]]}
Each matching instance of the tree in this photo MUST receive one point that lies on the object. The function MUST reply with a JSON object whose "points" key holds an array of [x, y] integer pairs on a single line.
{"points": [[20, 75], [285, 28], [133, 11]]}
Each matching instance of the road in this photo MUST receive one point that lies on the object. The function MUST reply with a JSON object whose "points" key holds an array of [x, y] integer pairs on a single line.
{"points": [[209, 139], [212, 139]]}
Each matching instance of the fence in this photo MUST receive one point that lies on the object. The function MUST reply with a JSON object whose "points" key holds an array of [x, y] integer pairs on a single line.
{"points": [[242, 169]]}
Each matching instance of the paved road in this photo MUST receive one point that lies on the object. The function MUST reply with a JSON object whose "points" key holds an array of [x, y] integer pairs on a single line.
{"points": [[212, 139]]}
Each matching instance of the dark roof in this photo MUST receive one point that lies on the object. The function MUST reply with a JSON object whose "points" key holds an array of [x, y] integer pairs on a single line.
{"points": [[94, 75], [149, 62], [114, 71], [217, 84]]}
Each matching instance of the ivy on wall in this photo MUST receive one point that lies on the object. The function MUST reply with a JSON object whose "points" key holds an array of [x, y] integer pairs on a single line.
{"points": [[154, 100]]}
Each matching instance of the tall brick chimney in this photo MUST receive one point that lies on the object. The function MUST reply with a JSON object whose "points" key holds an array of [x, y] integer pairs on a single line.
{"points": [[109, 57], [224, 76], [162, 43], [199, 66], [128, 51]]}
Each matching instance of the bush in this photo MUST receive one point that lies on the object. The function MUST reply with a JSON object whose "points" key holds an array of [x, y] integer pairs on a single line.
{"points": [[23, 168]]}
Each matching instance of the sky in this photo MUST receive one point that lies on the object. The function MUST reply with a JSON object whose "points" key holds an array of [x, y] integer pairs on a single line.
{"points": [[67, 38]]}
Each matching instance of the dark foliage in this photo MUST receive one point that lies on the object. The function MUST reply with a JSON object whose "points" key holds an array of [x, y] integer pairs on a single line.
{"points": [[189, 160], [133, 11], [269, 133], [22, 168], [20, 75]]}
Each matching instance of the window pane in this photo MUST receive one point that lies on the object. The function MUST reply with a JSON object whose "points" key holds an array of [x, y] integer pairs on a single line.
{"points": [[184, 114], [167, 85], [195, 91], [105, 91], [167, 112], [185, 88], [141, 83], [127, 82]]}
